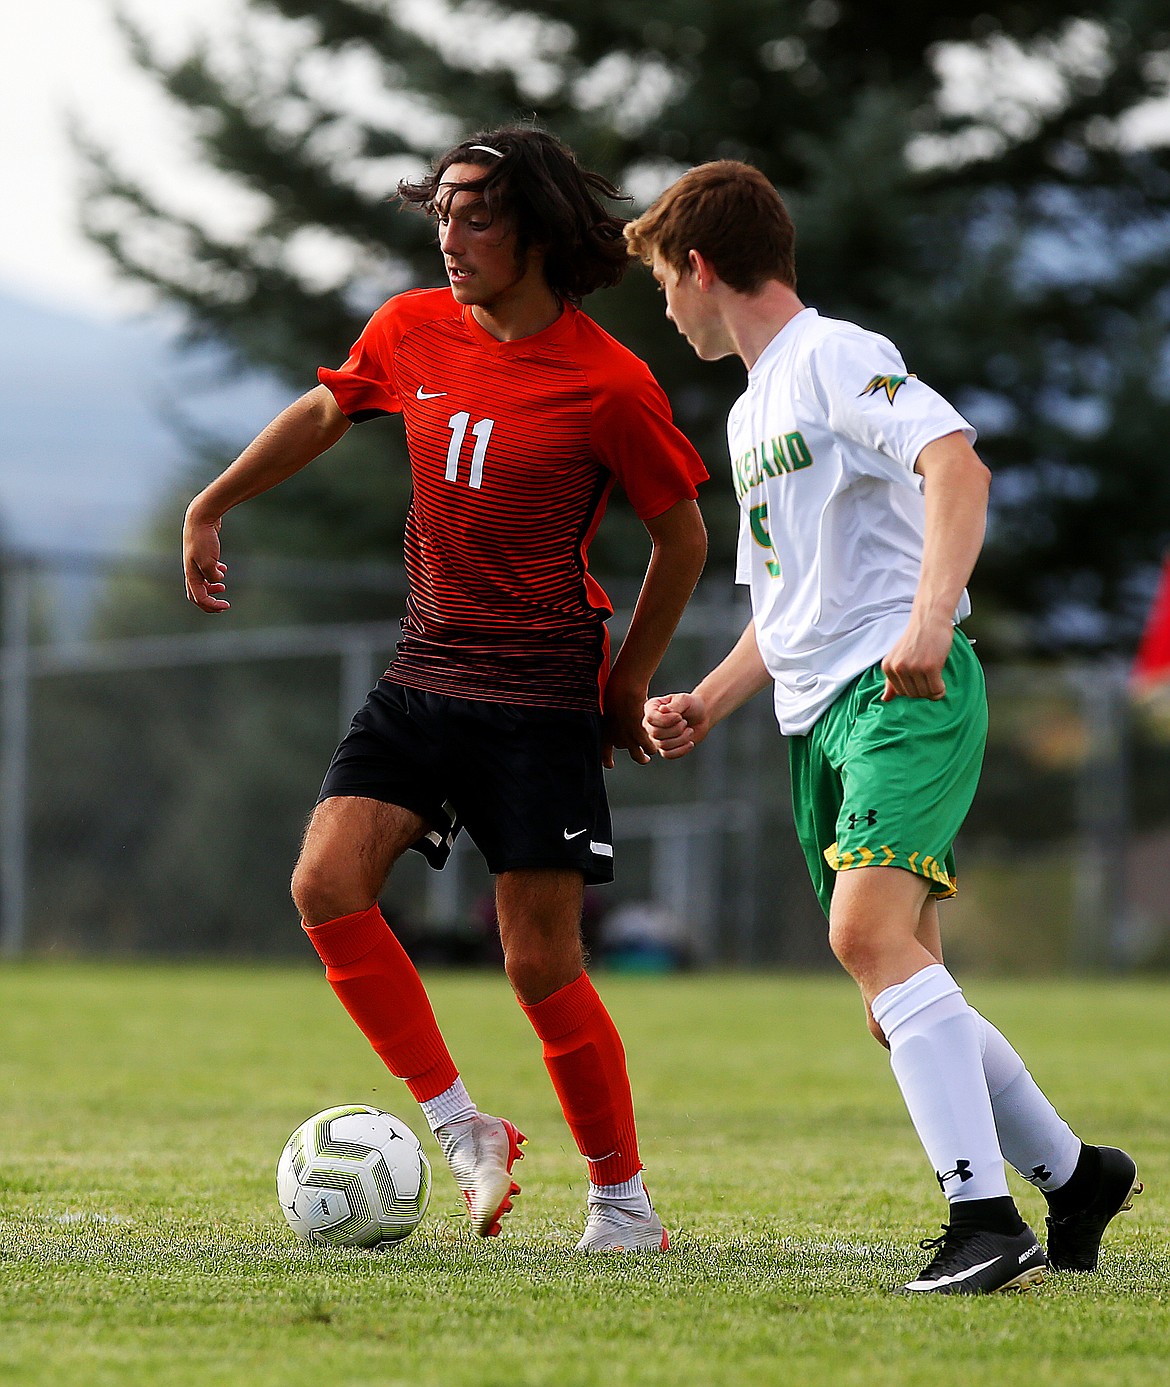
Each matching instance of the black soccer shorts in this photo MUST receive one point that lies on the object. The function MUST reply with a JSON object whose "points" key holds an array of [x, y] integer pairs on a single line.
{"points": [[526, 783]]}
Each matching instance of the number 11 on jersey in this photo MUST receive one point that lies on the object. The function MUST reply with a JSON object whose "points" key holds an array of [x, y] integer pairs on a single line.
{"points": [[481, 433]]}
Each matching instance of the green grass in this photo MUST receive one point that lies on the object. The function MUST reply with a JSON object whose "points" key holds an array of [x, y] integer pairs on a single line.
{"points": [[142, 1111]]}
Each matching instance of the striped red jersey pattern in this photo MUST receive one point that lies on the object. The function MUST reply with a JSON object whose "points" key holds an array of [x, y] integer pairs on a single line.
{"points": [[514, 448]]}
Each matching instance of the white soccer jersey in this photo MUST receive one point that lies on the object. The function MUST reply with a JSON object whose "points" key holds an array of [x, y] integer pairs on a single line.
{"points": [[823, 445]]}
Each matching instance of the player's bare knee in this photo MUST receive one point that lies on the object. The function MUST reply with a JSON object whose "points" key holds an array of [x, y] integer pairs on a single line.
{"points": [[536, 973], [303, 885], [319, 895], [875, 1030], [527, 974], [852, 945]]}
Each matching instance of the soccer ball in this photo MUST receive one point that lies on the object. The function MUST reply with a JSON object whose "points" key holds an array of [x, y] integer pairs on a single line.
{"points": [[353, 1177]]}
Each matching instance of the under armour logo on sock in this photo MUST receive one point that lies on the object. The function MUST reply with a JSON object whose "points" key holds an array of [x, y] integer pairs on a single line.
{"points": [[1039, 1174], [962, 1170]]}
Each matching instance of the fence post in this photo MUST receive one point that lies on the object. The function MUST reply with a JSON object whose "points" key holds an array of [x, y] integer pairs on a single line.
{"points": [[1100, 902], [357, 679], [712, 779], [16, 599], [444, 890], [758, 725]]}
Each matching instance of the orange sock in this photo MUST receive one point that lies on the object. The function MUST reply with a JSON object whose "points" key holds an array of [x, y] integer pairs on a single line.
{"points": [[381, 989], [585, 1060]]}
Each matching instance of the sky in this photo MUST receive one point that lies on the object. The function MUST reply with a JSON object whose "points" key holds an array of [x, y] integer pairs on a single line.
{"points": [[83, 469], [62, 55]]}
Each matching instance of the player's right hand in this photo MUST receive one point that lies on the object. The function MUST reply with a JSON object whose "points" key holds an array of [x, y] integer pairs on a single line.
{"points": [[203, 570], [675, 723]]}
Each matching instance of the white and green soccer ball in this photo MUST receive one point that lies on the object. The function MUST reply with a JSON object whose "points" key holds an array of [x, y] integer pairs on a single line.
{"points": [[353, 1177]]}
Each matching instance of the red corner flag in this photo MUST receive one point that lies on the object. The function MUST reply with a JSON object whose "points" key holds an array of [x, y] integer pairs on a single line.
{"points": [[1151, 667]]}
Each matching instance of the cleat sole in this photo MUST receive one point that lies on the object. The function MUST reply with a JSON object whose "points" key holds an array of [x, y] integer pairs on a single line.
{"points": [[516, 1139], [1138, 1187], [1034, 1276]]}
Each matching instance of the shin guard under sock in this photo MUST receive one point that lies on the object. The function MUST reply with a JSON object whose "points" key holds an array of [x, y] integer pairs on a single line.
{"points": [[378, 985], [1035, 1139], [587, 1064], [935, 1055]]}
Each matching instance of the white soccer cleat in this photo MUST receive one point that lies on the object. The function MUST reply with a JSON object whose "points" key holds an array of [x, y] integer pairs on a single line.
{"points": [[611, 1229], [481, 1153]]}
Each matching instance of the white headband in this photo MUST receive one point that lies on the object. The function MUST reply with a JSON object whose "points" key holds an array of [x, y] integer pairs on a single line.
{"points": [[487, 149]]}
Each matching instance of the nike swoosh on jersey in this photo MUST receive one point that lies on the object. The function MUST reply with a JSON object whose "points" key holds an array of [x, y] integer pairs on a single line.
{"points": [[421, 394], [578, 833]]}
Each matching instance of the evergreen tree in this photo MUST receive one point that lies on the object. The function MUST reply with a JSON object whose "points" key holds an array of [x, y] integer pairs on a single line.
{"points": [[971, 179]]}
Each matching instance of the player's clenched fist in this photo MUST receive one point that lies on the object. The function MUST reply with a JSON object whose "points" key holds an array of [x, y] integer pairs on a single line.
{"points": [[675, 723]]}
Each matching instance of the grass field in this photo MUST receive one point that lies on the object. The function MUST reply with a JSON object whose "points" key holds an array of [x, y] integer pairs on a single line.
{"points": [[142, 1111]]}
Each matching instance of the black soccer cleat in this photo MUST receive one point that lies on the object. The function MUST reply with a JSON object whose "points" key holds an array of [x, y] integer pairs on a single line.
{"points": [[1074, 1242], [967, 1263]]}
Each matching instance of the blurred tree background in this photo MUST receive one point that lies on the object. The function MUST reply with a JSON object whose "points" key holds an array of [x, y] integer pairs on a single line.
{"points": [[988, 184], [983, 182]]}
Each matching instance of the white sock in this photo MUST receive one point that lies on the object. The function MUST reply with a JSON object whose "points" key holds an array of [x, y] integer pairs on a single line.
{"points": [[451, 1106], [935, 1056], [629, 1196], [1033, 1136]]}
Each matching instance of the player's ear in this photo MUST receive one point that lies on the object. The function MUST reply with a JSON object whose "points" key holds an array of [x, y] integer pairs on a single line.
{"points": [[701, 268]]}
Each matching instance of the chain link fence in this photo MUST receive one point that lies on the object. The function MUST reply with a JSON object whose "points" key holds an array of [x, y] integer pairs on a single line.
{"points": [[157, 767]]}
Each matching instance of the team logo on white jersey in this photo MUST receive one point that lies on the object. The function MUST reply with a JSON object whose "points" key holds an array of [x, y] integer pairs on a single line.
{"points": [[890, 384]]}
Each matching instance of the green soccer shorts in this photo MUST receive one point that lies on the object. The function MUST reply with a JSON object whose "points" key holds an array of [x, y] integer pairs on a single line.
{"points": [[889, 784]]}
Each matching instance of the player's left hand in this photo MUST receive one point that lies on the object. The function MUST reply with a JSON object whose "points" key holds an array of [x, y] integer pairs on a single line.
{"points": [[913, 669], [622, 727]]}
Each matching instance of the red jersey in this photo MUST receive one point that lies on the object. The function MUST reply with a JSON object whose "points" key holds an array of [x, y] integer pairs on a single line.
{"points": [[514, 448]]}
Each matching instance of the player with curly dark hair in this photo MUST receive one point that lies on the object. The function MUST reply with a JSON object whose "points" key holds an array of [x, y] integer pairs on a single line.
{"points": [[500, 707], [524, 174]]}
